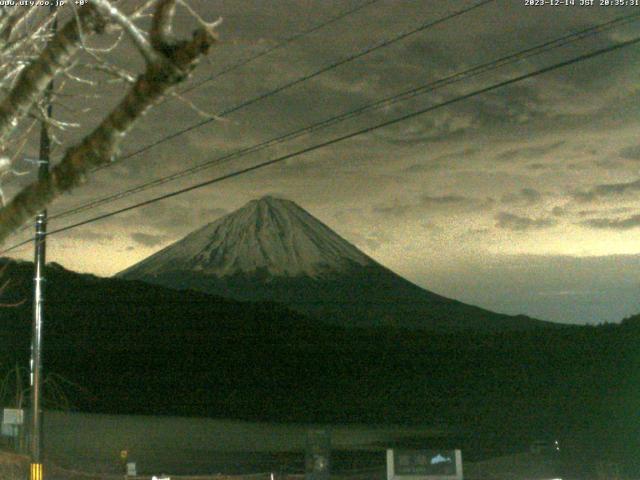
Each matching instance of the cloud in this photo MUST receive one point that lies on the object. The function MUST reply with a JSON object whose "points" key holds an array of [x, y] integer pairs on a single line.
{"points": [[537, 166], [526, 196], [607, 190], [528, 152], [372, 241], [438, 55], [90, 236], [435, 128], [174, 217], [565, 293], [436, 204], [429, 200], [456, 202], [613, 223], [510, 221], [631, 153], [147, 240], [439, 162], [392, 210], [606, 211], [431, 226], [610, 164]]}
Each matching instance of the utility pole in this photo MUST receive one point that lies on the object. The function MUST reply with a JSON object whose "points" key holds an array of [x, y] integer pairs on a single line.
{"points": [[35, 438]]}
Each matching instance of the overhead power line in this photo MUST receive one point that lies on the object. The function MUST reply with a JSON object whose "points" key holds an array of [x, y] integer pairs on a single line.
{"points": [[305, 78], [332, 66], [341, 138], [280, 45], [390, 100]]}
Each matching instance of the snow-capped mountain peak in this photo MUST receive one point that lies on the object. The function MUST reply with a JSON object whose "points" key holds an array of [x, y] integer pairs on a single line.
{"points": [[273, 250], [269, 235]]}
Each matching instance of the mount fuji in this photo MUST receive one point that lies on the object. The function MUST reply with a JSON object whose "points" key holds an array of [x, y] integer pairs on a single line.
{"points": [[272, 249]]}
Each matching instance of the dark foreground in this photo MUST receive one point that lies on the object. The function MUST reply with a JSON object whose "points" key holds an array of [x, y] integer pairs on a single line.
{"points": [[88, 446], [513, 467], [131, 348]]}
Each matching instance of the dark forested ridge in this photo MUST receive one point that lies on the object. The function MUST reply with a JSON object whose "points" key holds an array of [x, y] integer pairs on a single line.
{"points": [[139, 348], [273, 250]]}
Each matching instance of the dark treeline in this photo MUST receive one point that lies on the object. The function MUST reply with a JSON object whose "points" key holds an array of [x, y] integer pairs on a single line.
{"points": [[136, 348]]}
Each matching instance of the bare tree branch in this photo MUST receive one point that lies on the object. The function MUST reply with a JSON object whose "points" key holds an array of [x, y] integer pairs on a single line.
{"points": [[161, 24], [140, 10], [108, 9], [176, 59], [9, 22], [35, 78]]}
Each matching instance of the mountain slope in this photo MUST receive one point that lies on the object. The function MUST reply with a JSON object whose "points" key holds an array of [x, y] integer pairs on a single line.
{"points": [[270, 235], [271, 249]]}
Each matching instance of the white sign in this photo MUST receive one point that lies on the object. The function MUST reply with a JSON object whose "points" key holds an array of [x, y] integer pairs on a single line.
{"points": [[13, 416], [424, 465], [131, 469]]}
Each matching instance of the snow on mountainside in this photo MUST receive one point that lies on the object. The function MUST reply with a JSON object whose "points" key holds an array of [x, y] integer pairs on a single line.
{"points": [[270, 235], [273, 250]]}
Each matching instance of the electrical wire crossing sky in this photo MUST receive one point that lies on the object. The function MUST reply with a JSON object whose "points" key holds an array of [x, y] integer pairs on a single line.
{"points": [[486, 151]]}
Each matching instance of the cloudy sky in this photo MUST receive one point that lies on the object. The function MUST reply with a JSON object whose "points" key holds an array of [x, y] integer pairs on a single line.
{"points": [[520, 200]]}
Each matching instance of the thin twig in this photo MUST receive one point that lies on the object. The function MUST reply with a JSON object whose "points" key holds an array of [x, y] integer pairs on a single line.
{"points": [[108, 9]]}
